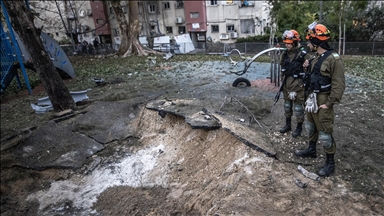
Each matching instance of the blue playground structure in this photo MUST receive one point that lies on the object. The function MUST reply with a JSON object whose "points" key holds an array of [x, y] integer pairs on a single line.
{"points": [[10, 53], [14, 55]]}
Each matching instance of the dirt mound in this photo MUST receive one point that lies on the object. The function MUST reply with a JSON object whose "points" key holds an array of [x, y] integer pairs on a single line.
{"points": [[162, 166], [172, 169]]}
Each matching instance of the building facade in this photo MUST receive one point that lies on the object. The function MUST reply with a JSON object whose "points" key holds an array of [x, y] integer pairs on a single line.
{"points": [[203, 20]]}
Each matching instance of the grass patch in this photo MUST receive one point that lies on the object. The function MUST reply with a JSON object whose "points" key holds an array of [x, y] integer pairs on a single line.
{"points": [[365, 66], [88, 67]]}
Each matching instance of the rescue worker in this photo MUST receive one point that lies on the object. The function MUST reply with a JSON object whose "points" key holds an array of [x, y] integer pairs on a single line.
{"points": [[292, 73], [324, 84]]}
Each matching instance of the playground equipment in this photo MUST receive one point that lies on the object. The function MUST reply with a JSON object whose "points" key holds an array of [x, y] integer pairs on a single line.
{"points": [[14, 56], [236, 57]]}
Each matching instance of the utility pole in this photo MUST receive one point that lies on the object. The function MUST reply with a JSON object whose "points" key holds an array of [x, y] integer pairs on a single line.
{"points": [[340, 28]]}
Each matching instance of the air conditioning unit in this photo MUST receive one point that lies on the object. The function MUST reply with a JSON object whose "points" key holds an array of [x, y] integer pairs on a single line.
{"points": [[85, 27], [234, 35], [71, 15], [224, 36], [251, 3], [201, 38], [82, 13], [179, 20]]}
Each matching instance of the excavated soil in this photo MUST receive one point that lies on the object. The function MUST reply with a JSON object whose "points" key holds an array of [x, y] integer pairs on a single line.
{"points": [[164, 167]]}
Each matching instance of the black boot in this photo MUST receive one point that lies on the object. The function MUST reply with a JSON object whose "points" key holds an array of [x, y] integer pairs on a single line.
{"points": [[329, 166], [287, 126], [298, 130], [309, 152]]}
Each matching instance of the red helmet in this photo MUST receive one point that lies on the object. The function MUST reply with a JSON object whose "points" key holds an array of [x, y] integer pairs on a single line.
{"points": [[290, 36], [318, 31]]}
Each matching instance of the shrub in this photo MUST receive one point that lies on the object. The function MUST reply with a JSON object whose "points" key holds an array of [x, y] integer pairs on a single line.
{"points": [[256, 38]]}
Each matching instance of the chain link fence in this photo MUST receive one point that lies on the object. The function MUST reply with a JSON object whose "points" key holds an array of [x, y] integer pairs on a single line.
{"points": [[248, 48], [351, 48]]}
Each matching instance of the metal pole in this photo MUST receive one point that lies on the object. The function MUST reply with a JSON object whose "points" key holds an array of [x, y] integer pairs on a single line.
{"points": [[321, 11], [373, 47], [344, 41], [271, 74], [279, 68], [245, 48], [274, 67]]}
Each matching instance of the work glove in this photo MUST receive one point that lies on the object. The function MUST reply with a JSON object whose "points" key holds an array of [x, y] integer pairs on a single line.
{"points": [[311, 104], [292, 95]]}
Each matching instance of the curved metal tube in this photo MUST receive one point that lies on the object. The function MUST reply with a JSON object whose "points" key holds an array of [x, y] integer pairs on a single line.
{"points": [[248, 62], [262, 52]]}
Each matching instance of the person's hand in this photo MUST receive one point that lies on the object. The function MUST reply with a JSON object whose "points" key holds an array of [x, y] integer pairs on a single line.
{"points": [[323, 106], [305, 64], [292, 95], [311, 104]]}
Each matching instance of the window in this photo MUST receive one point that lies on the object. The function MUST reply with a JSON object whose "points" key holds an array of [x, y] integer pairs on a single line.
{"points": [[230, 28], [247, 3], [99, 21], [116, 31], [213, 2], [181, 29], [215, 28], [247, 26], [151, 8], [194, 14], [166, 5], [110, 10], [169, 29], [124, 8], [179, 4], [57, 33]]}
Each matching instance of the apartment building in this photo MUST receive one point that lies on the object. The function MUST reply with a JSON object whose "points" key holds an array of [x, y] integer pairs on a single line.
{"points": [[230, 19], [204, 20]]}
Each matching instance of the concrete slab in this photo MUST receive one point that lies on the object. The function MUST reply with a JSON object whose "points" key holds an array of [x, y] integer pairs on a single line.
{"points": [[54, 146], [108, 121]]}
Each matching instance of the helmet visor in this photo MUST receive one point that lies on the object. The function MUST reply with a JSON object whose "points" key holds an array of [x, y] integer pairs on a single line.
{"points": [[310, 32], [288, 35]]}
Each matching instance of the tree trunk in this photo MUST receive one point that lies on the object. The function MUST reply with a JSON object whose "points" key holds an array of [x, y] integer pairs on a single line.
{"points": [[146, 23], [123, 27], [130, 31], [22, 22]]}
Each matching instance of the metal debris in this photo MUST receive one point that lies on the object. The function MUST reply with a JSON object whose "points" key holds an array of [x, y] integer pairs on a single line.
{"points": [[99, 81], [207, 117], [168, 56], [308, 174], [44, 104], [299, 183]]}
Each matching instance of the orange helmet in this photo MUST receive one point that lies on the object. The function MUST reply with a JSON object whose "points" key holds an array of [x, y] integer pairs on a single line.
{"points": [[318, 31], [297, 35], [290, 36]]}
